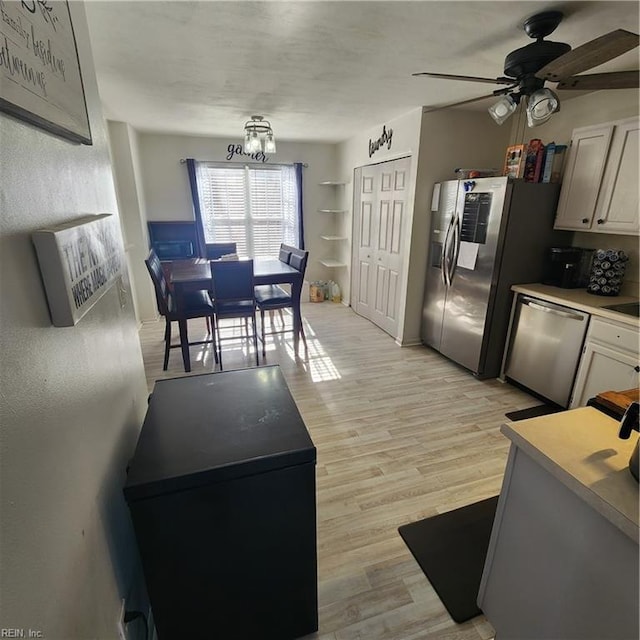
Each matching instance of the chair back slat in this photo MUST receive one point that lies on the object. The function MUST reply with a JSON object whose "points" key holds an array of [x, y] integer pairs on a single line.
{"points": [[160, 285], [216, 250], [232, 280], [299, 259], [285, 253]]}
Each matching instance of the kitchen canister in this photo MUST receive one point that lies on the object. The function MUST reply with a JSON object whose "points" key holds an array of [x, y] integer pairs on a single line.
{"points": [[607, 272]]}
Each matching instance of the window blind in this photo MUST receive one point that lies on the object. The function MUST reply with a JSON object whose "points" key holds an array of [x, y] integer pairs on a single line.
{"points": [[255, 207]]}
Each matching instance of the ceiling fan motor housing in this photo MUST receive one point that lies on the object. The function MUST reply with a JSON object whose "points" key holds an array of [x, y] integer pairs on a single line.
{"points": [[530, 59]]}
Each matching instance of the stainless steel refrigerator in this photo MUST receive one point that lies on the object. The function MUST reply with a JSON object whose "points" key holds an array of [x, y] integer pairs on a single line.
{"points": [[486, 235]]}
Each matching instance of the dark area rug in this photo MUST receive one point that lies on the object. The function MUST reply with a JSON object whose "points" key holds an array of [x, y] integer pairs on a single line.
{"points": [[533, 412], [451, 548]]}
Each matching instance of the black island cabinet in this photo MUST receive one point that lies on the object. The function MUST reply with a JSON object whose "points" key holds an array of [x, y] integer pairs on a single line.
{"points": [[221, 491]]}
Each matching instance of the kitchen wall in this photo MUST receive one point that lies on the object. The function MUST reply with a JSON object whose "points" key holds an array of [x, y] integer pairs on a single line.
{"points": [[72, 399], [584, 110], [449, 139], [438, 143]]}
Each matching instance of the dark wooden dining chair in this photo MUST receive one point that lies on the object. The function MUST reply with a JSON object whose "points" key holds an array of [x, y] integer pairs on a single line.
{"points": [[216, 250], [195, 304], [271, 297], [285, 252], [233, 297]]}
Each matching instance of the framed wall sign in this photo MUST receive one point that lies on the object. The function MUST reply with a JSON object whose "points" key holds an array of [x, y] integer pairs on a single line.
{"points": [[40, 79], [79, 262]]}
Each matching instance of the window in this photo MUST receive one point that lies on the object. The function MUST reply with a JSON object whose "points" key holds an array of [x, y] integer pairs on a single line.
{"points": [[255, 207]]}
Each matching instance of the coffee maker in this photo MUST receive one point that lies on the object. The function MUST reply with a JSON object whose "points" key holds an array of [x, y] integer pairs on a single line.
{"points": [[567, 267]]}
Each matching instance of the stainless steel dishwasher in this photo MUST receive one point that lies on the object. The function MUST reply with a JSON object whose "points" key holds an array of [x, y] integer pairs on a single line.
{"points": [[545, 346]]}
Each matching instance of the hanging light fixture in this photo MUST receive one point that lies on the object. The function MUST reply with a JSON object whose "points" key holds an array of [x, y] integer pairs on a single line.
{"points": [[541, 105], [258, 136]]}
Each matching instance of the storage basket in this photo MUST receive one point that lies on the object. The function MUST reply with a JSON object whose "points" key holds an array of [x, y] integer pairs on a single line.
{"points": [[316, 292]]}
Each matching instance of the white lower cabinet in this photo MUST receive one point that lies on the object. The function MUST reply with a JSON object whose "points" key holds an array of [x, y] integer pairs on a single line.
{"points": [[609, 361]]}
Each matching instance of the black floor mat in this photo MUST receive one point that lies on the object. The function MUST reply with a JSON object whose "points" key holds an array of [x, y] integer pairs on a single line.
{"points": [[451, 548], [533, 412]]}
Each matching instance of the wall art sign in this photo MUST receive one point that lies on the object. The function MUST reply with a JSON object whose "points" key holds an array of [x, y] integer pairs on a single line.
{"points": [[79, 262], [385, 138], [238, 150], [40, 80]]}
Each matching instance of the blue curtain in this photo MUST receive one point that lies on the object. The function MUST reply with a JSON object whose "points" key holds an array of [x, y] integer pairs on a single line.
{"points": [[298, 168], [201, 248]]}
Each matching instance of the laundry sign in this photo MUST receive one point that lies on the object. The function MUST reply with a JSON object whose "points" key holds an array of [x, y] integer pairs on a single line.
{"points": [[79, 262], [385, 138]]}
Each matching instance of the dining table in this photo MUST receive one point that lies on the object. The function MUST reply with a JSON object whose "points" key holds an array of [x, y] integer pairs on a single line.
{"points": [[195, 275]]}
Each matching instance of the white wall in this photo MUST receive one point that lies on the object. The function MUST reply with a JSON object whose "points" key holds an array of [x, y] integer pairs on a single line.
{"points": [[354, 153], [72, 399], [590, 109], [126, 167], [168, 197], [449, 139], [438, 143]]}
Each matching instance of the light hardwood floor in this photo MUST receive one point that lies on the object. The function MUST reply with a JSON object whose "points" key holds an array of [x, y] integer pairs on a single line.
{"points": [[401, 434]]}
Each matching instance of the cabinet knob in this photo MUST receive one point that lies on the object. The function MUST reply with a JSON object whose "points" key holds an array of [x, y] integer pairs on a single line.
{"points": [[585, 220], [600, 221], [637, 368]]}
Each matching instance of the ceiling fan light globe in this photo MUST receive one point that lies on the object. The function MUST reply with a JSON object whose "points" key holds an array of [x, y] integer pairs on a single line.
{"points": [[541, 105], [501, 110]]}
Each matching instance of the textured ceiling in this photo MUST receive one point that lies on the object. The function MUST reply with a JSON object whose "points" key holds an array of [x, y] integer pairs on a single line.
{"points": [[319, 71]]}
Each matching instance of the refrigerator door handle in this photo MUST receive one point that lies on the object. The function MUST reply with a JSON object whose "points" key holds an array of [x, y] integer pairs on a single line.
{"points": [[563, 314], [443, 258], [455, 247]]}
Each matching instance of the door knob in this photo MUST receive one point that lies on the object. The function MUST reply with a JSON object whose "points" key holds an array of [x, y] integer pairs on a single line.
{"points": [[600, 221], [585, 220], [637, 368]]}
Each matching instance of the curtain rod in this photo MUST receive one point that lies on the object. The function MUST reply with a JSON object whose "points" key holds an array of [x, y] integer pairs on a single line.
{"points": [[304, 164]]}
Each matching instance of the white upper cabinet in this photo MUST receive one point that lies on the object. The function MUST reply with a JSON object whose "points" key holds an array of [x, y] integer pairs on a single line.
{"points": [[600, 187]]}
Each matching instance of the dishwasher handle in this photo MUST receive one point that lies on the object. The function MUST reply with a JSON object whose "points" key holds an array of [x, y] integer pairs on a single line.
{"points": [[541, 306]]}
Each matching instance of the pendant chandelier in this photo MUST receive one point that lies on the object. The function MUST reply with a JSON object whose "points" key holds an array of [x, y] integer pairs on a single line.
{"points": [[258, 136]]}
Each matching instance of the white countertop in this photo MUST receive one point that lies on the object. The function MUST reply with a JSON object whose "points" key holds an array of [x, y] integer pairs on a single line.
{"points": [[581, 300], [582, 450]]}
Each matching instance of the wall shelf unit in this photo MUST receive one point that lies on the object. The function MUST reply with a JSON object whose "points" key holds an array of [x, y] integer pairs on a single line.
{"points": [[333, 228]]}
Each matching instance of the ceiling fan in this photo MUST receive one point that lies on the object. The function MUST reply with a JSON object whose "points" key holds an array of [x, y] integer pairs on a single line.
{"points": [[527, 69]]}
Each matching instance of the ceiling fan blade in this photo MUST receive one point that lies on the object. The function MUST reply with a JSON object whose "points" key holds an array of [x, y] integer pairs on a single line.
{"points": [[589, 55], [498, 92], [596, 81], [447, 76]]}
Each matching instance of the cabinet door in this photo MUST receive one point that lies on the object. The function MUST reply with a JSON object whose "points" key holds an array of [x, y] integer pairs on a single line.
{"points": [[582, 177], [603, 369], [617, 209]]}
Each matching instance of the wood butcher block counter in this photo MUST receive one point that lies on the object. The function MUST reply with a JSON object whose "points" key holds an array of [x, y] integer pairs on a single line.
{"points": [[581, 300], [563, 556]]}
